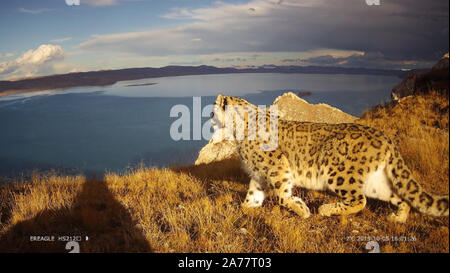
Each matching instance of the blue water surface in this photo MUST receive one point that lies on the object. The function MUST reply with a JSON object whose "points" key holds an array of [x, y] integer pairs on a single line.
{"points": [[96, 129]]}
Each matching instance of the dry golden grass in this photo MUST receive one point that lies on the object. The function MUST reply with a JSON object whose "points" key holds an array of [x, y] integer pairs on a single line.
{"points": [[197, 208], [419, 125]]}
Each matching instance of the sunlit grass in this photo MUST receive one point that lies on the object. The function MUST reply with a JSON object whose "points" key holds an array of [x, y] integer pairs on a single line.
{"points": [[197, 208]]}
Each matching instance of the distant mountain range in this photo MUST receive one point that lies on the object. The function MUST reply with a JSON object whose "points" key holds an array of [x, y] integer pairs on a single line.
{"points": [[108, 77]]}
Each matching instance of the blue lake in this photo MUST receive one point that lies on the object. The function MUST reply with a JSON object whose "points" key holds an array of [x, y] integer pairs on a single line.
{"points": [[97, 129]]}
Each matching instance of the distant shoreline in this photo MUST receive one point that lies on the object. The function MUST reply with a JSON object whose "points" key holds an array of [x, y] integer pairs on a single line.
{"points": [[142, 84], [110, 77]]}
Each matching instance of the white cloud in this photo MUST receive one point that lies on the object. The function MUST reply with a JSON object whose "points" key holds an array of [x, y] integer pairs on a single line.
{"points": [[99, 3], [222, 10], [34, 11], [33, 62], [7, 55], [61, 40]]}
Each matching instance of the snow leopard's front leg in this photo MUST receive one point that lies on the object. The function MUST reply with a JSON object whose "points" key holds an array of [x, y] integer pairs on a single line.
{"points": [[255, 195], [281, 179]]}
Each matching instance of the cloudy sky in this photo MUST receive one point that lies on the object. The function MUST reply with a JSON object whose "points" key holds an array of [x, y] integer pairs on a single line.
{"points": [[48, 36]]}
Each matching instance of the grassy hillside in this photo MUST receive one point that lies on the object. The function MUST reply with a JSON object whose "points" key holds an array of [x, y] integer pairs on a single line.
{"points": [[197, 208]]}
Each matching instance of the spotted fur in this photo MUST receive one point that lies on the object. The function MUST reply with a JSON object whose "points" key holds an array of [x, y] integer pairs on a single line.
{"points": [[351, 160]]}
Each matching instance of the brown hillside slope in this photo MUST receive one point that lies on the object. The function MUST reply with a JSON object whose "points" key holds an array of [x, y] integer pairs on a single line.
{"points": [[197, 208], [425, 82]]}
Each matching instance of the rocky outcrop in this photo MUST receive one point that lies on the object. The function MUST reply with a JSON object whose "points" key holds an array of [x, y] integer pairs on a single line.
{"points": [[290, 107], [216, 151], [437, 80]]}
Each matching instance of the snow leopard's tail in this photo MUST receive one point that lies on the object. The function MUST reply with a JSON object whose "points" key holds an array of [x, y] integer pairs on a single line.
{"points": [[410, 190]]}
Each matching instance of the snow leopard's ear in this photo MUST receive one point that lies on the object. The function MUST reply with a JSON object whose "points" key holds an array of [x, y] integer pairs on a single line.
{"points": [[221, 101]]}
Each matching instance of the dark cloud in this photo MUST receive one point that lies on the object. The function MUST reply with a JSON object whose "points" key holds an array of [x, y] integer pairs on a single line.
{"points": [[291, 60], [238, 59], [371, 60], [187, 63], [394, 32]]}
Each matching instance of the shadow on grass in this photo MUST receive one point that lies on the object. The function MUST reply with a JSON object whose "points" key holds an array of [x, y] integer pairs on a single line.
{"points": [[212, 173], [228, 169], [95, 215]]}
